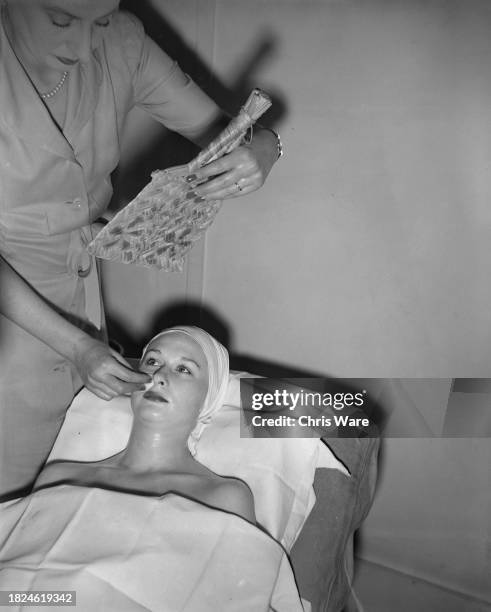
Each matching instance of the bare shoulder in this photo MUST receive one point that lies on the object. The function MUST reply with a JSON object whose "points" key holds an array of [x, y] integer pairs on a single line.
{"points": [[233, 495], [59, 472]]}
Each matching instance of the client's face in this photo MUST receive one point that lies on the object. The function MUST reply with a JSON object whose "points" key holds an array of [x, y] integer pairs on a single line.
{"points": [[179, 372]]}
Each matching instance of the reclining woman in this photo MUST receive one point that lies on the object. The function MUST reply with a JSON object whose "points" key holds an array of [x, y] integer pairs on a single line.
{"points": [[189, 377], [150, 528]]}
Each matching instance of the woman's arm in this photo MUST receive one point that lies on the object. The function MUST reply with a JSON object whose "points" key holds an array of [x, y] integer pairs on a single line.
{"points": [[162, 90], [102, 370]]}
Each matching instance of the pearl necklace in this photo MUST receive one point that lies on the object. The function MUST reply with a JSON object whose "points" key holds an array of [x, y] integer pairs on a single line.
{"points": [[56, 88]]}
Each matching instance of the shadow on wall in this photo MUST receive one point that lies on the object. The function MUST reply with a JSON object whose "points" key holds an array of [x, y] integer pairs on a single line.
{"points": [[194, 313], [171, 149]]}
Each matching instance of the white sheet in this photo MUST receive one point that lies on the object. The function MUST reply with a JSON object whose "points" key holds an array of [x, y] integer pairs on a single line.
{"points": [[129, 552]]}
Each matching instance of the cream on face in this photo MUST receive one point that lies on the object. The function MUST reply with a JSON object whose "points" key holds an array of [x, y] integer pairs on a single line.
{"points": [[179, 384]]}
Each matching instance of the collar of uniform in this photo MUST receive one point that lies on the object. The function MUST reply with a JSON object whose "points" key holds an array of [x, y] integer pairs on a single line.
{"points": [[83, 95]]}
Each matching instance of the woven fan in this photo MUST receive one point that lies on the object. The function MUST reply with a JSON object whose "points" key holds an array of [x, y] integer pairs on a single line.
{"points": [[167, 217]]}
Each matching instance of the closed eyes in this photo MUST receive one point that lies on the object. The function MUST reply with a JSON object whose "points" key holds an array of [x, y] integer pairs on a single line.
{"points": [[62, 20]]}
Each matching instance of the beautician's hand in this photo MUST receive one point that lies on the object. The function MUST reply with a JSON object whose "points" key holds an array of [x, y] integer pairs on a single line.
{"points": [[240, 172], [105, 372]]}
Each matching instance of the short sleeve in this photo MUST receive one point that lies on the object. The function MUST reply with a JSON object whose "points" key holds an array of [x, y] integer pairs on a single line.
{"points": [[160, 87]]}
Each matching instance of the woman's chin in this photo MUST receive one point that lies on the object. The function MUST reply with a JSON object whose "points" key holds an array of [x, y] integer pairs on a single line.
{"points": [[153, 411]]}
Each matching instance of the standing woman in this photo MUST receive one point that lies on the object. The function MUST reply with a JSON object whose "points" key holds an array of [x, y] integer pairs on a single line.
{"points": [[70, 71]]}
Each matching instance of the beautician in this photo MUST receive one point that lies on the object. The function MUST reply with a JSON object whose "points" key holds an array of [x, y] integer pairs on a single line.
{"points": [[70, 71]]}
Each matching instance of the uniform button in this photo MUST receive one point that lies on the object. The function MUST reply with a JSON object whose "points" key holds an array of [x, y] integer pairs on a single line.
{"points": [[84, 273]]}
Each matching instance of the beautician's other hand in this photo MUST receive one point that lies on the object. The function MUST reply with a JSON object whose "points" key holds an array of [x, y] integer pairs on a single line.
{"points": [[104, 372], [240, 172]]}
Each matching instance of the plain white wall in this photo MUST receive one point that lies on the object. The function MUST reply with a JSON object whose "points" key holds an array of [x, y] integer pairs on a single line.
{"points": [[367, 253], [432, 513]]}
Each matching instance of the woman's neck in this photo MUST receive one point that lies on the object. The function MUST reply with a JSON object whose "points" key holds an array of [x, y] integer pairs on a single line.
{"points": [[151, 449]]}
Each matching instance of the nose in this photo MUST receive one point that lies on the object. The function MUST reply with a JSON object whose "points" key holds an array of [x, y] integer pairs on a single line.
{"points": [[82, 42], [160, 377]]}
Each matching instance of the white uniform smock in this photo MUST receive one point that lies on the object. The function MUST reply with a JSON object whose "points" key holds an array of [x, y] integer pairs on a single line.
{"points": [[52, 186]]}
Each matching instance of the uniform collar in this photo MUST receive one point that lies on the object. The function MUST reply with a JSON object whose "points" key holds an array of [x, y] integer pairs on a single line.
{"points": [[83, 96]]}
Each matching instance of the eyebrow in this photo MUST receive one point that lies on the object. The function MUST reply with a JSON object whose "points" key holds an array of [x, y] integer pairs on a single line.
{"points": [[192, 361]]}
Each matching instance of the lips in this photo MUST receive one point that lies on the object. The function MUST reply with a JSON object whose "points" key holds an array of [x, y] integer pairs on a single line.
{"points": [[154, 397], [67, 61]]}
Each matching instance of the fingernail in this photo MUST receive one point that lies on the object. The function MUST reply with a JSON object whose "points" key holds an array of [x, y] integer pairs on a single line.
{"points": [[191, 177]]}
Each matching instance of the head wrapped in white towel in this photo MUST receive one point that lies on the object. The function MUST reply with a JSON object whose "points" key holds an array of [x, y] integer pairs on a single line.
{"points": [[218, 376]]}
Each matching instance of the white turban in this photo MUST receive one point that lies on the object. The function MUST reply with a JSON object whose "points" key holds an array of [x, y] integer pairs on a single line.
{"points": [[218, 374]]}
